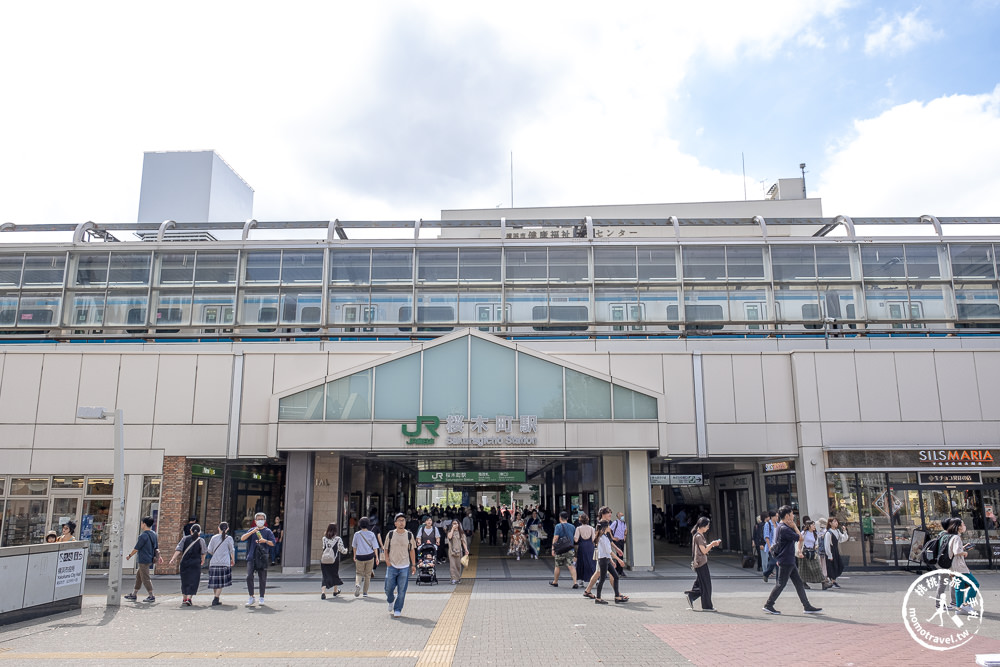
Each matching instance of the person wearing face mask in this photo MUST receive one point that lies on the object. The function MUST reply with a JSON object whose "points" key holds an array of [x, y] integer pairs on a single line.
{"points": [[258, 555]]}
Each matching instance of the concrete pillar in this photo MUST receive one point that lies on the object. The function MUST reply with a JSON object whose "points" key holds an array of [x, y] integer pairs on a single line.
{"points": [[295, 553], [810, 476], [638, 511], [614, 481], [133, 507]]}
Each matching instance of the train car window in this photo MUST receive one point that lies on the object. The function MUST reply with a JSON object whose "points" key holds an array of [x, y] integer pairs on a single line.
{"points": [[560, 314], [428, 315], [697, 316]]}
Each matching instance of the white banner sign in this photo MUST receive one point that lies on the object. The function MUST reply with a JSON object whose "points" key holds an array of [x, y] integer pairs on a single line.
{"points": [[676, 480], [69, 567]]}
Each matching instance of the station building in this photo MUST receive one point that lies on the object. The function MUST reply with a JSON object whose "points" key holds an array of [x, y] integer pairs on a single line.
{"points": [[723, 357]]}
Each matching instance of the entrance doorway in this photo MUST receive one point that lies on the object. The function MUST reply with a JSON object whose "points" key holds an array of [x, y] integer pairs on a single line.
{"points": [[737, 519], [63, 509]]}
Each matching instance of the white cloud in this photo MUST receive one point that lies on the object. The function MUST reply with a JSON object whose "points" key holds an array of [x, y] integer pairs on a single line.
{"points": [[936, 158], [899, 35]]}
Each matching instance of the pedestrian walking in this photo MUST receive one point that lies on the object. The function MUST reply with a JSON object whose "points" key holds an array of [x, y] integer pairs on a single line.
{"points": [[583, 536], [258, 556], [279, 535], [619, 531], [467, 524], [603, 515], [68, 529], [458, 548], [757, 540], [534, 525], [834, 564], [808, 561], [563, 551], [400, 561], [821, 547], [605, 556], [786, 537], [329, 561], [968, 585], [700, 547], [146, 551], [220, 568], [191, 553], [492, 520], [770, 531], [365, 546], [504, 525]]}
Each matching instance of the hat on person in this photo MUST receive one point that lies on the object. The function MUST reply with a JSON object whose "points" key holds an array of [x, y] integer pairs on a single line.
{"points": [[400, 514], [51, 533]]}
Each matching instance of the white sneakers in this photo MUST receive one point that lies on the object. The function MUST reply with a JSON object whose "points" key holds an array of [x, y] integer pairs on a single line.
{"points": [[250, 602]]}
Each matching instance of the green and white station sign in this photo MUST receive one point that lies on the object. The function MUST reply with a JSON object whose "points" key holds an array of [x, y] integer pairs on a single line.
{"points": [[472, 477]]}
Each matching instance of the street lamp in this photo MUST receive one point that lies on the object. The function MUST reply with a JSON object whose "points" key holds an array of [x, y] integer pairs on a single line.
{"points": [[118, 500]]}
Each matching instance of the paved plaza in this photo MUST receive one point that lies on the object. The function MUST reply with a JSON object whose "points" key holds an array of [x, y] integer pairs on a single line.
{"points": [[504, 614]]}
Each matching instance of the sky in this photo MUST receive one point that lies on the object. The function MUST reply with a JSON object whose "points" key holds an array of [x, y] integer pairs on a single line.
{"points": [[397, 110]]}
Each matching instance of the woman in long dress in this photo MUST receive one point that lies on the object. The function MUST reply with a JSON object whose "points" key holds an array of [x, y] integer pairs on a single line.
{"points": [[808, 561], [834, 563], [518, 542], [533, 525], [191, 552], [457, 548], [331, 571], [584, 539]]}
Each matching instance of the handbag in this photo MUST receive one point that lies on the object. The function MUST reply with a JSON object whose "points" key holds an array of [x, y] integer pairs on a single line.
{"points": [[563, 546], [465, 560]]}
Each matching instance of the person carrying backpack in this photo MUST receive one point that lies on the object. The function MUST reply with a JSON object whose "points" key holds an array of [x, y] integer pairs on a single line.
{"points": [[936, 554], [400, 553]]}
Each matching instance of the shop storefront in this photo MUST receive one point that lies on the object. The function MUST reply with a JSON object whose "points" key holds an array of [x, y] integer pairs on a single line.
{"points": [[32, 506], [780, 485], [890, 501]]}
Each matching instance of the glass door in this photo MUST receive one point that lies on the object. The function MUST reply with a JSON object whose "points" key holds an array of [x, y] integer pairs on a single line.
{"points": [[991, 523], [967, 505], [96, 513], [63, 509]]}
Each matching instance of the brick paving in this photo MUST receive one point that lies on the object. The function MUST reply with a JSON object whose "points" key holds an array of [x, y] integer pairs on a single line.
{"points": [[507, 615]]}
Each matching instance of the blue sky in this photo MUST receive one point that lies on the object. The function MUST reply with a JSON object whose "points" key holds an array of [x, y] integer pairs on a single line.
{"points": [[398, 109], [801, 101]]}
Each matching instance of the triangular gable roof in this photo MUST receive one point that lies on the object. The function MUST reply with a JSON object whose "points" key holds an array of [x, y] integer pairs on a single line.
{"points": [[423, 347]]}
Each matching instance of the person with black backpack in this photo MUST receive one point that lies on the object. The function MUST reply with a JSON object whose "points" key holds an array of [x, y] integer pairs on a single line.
{"points": [[258, 555]]}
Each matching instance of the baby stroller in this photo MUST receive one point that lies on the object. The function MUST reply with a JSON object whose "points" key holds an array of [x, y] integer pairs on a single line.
{"points": [[426, 563]]}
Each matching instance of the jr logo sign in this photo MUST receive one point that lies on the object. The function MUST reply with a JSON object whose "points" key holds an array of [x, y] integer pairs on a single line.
{"points": [[423, 422]]}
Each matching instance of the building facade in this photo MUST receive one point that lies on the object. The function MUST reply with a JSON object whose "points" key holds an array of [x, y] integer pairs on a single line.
{"points": [[681, 366]]}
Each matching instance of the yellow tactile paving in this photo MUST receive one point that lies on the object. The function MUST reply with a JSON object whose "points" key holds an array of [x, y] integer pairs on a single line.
{"points": [[441, 645]]}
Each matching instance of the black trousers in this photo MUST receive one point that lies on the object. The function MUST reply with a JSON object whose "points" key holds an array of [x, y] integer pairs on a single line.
{"points": [[621, 545], [604, 562], [702, 587], [786, 572], [263, 579]]}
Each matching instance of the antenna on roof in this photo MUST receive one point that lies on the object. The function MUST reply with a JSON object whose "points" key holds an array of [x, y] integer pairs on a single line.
{"points": [[512, 179], [744, 161], [802, 166]]}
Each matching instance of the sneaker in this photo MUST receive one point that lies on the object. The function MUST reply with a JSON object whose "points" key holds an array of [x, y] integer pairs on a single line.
{"points": [[364, 595], [150, 598], [827, 586], [690, 601], [397, 614], [131, 596], [390, 608], [965, 609], [357, 591], [216, 602], [261, 600], [710, 609], [769, 608], [250, 602], [835, 585], [812, 610], [764, 577]]}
